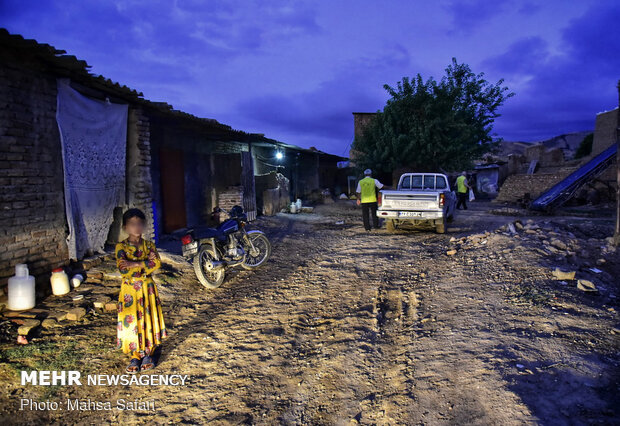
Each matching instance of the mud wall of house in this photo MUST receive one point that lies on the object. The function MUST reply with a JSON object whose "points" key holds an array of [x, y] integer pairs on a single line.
{"points": [[227, 170], [544, 156], [32, 214], [330, 176], [265, 160], [139, 193], [198, 188], [605, 131], [196, 169], [307, 173], [605, 134], [155, 184], [210, 168], [265, 174], [300, 168], [138, 182], [516, 187]]}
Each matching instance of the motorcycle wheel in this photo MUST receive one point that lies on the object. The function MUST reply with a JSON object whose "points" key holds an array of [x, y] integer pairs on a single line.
{"points": [[262, 244], [209, 279]]}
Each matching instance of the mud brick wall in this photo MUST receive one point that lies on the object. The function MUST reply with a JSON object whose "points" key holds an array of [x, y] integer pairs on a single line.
{"points": [[228, 147], [610, 175], [605, 134], [32, 214], [544, 156], [605, 131], [516, 186], [230, 197]]}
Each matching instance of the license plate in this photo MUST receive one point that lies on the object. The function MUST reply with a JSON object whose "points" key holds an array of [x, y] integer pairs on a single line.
{"points": [[410, 214], [411, 203], [191, 248]]}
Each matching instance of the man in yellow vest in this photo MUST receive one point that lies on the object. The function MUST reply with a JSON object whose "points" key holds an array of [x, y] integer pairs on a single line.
{"points": [[367, 197], [462, 190]]}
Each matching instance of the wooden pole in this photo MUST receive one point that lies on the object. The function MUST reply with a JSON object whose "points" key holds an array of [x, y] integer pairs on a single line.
{"points": [[617, 232]]}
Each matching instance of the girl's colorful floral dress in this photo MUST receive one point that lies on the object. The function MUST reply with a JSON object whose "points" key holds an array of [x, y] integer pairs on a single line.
{"points": [[140, 326]]}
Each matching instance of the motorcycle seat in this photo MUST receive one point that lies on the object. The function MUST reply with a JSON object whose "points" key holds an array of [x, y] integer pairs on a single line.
{"points": [[200, 233]]}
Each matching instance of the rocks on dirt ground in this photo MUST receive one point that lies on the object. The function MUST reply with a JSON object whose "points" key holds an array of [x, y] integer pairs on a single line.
{"points": [[97, 294], [572, 253], [560, 274], [100, 286], [349, 327]]}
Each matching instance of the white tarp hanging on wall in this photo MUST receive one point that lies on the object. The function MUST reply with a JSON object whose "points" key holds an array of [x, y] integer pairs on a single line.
{"points": [[93, 135]]}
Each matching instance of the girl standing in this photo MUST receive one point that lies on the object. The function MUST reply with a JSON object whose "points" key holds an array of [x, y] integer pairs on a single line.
{"points": [[140, 326]]}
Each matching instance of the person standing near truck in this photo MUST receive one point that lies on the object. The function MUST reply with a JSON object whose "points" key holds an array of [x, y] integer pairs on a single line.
{"points": [[367, 197], [462, 191]]}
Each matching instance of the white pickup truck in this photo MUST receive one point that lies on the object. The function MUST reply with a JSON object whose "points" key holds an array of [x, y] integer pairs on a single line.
{"points": [[420, 199]]}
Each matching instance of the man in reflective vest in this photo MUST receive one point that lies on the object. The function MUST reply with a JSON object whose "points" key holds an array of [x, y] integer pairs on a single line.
{"points": [[462, 191], [367, 197]]}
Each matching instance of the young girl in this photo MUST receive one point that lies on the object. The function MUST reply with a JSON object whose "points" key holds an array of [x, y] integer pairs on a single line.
{"points": [[140, 326]]}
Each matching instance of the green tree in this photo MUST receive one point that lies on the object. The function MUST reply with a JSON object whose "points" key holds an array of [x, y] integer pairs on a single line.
{"points": [[430, 125], [585, 146]]}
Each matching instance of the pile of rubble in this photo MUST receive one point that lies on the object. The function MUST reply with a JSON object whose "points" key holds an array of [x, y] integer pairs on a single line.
{"points": [[569, 258]]}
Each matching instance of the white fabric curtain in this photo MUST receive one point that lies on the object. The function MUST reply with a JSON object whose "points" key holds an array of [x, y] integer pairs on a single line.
{"points": [[93, 135]]}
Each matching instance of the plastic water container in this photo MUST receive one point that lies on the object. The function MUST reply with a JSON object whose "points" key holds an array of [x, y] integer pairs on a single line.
{"points": [[77, 280], [298, 204], [60, 282], [293, 208], [21, 289]]}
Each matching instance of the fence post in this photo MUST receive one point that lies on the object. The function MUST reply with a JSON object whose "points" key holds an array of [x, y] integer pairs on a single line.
{"points": [[617, 232]]}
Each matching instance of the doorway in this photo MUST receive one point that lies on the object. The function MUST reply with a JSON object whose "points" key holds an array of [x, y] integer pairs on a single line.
{"points": [[172, 176]]}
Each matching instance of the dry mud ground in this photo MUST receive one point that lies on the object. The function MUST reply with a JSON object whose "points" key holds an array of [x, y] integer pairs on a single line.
{"points": [[347, 327]]}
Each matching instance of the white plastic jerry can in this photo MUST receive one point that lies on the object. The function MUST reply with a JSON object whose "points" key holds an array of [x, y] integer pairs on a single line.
{"points": [[21, 289]]}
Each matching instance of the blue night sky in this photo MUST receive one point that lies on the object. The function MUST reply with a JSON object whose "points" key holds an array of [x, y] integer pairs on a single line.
{"points": [[296, 70]]}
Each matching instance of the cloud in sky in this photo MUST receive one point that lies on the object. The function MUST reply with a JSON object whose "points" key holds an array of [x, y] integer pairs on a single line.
{"points": [[296, 70], [562, 90], [469, 15]]}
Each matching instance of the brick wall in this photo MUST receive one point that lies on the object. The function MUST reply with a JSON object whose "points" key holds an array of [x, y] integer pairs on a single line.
{"points": [[230, 197], [138, 173], [516, 186], [32, 214]]}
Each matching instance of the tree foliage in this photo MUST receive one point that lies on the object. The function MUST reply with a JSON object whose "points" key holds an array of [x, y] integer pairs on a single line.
{"points": [[432, 126]]}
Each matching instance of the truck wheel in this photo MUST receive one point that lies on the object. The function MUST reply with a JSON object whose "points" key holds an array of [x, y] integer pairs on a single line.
{"points": [[389, 224], [440, 227]]}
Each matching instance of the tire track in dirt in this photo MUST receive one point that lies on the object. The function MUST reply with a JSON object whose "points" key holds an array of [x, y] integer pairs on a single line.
{"points": [[344, 326], [457, 380]]}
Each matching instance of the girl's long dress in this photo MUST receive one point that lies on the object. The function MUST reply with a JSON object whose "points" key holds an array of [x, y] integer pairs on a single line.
{"points": [[140, 326]]}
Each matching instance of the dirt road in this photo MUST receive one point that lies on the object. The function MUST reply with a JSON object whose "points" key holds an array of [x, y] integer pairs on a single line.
{"points": [[348, 327]]}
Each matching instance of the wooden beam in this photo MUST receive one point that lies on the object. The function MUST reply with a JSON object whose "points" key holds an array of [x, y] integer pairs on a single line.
{"points": [[617, 231]]}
